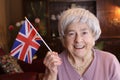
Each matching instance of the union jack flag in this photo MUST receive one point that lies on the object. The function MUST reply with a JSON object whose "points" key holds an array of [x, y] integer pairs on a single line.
{"points": [[26, 43]]}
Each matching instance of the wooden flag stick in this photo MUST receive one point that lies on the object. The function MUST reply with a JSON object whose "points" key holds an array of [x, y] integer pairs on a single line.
{"points": [[40, 36]]}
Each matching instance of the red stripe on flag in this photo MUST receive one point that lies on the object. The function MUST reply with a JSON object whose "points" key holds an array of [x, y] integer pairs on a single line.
{"points": [[28, 41]]}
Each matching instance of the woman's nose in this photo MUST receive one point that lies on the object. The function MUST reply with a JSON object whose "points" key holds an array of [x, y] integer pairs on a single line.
{"points": [[78, 38]]}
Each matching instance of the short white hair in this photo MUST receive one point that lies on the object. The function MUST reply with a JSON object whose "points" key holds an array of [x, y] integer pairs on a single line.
{"points": [[81, 15]]}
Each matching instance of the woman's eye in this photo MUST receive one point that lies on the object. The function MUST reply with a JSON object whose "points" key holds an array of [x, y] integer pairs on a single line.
{"points": [[70, 34], [84, 33]]}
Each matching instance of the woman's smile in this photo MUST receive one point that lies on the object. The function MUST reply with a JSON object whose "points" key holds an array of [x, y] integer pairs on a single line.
{"points": [[78, 46]]}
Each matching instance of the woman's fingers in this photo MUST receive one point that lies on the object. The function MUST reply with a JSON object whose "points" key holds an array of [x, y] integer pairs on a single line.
{"points": [[52, 61]]}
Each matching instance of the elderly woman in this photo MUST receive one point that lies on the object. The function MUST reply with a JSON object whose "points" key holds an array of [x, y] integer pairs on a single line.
{"points": [[79, 29]]}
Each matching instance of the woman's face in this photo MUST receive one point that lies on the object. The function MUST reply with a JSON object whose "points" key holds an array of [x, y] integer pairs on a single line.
{"points": [[79, 39]]}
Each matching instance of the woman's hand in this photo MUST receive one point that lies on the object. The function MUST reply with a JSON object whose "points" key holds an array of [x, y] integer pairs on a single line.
{"points": [[52, 61]]}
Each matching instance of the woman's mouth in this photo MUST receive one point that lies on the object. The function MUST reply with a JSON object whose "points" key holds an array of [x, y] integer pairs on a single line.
{"points": [[79, 46]]}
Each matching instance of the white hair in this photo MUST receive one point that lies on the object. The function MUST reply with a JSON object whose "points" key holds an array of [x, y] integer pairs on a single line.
{"points": [[78, 15]]}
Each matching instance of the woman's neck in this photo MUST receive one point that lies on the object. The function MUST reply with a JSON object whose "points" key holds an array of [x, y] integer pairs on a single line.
{"points": [[79, 59], [81, 64]]}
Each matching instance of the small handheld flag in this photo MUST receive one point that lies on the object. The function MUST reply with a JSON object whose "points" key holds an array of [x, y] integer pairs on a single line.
{"points": [[27, 43], [40, 36]]}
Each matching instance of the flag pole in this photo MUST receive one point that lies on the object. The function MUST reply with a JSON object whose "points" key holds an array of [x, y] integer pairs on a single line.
{"points": [[39, 35]]}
